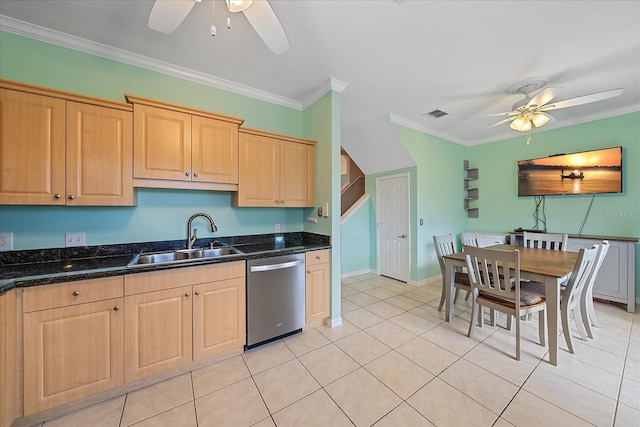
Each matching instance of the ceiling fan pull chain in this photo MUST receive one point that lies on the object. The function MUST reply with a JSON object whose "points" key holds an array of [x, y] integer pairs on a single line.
{"points": [[213, 15], [528, 137]]}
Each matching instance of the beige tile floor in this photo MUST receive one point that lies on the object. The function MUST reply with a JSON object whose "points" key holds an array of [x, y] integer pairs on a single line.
{"points": [[395, 362]]}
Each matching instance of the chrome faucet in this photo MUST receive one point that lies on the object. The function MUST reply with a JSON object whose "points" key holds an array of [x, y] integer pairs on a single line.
{"points": [[191, 239]]}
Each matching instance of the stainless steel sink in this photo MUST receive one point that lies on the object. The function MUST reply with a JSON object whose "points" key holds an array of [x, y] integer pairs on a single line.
{"points": [[181, 256]]}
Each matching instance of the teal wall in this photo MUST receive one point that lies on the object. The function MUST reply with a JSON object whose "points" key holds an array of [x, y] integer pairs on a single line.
{"points": [[356, 240], [159, 214]]}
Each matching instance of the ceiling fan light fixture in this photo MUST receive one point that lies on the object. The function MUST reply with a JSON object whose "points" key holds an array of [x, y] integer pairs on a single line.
{"points": [[540, 119], [521, 124], [238, 5]]}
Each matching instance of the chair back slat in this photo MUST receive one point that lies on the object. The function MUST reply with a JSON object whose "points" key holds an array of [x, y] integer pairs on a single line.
{"points": [[493, 271], [557, 242], [444, 245], [580, 276], [469, 238]]}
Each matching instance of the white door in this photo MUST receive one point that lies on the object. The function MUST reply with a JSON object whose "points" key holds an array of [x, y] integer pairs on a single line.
{"points": [[392, 210]]}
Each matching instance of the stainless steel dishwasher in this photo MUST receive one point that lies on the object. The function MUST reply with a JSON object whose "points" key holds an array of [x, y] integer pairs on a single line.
{"points": [[275, 297]]}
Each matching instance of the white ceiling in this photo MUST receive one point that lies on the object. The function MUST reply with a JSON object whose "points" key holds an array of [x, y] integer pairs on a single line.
{"points": [[398, 59]]}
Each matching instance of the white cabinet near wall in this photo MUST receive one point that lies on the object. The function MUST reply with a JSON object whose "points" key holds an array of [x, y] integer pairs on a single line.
{"points": [[616, 279]]}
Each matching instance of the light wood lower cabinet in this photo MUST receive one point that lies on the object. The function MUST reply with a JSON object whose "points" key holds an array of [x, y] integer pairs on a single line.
{"points": [[158, 332], [72, 352], [317, 286], [177, 316], [8, 358], [219, 319]]}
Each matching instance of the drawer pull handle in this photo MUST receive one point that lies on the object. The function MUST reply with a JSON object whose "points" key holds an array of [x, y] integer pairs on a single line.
{"points": [[187, 294], [76, 293], [116, 308], [317, 257]]}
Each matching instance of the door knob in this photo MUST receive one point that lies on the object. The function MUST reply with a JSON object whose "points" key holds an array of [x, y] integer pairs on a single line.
{"points": [[402, 236]]}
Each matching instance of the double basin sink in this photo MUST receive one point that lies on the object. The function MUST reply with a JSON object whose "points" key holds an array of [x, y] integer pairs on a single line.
{"points": [[182, 256]]}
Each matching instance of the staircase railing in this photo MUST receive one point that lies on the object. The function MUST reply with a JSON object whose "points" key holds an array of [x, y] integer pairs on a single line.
{"points": [[351, 194]]}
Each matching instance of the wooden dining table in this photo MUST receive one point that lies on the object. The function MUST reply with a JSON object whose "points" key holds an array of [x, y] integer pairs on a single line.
{"points": [[547, 266]]}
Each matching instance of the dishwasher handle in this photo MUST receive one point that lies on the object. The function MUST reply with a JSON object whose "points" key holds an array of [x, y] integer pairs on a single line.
{"points": [[280, 266]]}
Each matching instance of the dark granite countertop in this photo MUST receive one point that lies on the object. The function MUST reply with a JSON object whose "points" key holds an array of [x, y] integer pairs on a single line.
{"points": [[47, 266]]}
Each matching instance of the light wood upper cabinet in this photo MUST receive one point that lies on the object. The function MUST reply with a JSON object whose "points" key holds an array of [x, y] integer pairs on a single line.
{"points": [[317, 287], [32, 149], [180, 147], [58, 148], [72, 351], [99, 155], [275, 170]]}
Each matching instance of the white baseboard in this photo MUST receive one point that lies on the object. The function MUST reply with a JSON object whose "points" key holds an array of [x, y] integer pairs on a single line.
{"points": [[333, 323], [357, 273]]}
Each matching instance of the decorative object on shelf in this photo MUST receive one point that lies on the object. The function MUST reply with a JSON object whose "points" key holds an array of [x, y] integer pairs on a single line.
{"points": [[471, 174]]}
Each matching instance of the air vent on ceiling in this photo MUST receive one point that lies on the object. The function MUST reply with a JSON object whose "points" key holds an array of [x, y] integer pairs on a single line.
{"points": [[436, 114]]}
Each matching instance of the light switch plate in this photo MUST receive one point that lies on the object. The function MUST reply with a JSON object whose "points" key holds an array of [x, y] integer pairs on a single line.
{"points": [[73, 239], [6, 242]]}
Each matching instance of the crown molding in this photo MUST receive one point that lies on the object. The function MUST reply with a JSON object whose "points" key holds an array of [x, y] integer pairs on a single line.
{"points": [[399, 120], [331, 84], [68, 41]]}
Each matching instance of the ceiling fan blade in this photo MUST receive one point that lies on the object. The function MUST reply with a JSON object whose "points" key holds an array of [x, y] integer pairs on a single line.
{"points": [[166, 15], [507, 120], [509, 113], [599, 96], [266, 23], [543, 97]]}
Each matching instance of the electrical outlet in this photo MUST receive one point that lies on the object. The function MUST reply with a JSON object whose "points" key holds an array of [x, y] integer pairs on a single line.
{"points": [[6, 242], [277, 228], [74, 239]]}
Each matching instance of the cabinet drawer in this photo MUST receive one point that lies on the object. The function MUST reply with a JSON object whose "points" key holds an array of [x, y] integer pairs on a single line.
{"points": [[71, 293], [317, 257], [185, 276]]}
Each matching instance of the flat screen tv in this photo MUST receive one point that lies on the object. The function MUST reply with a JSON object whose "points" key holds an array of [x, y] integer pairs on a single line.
{"points": [[585, 172]]}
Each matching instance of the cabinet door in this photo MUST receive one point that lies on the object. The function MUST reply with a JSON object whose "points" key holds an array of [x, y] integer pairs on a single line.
{"points": [[317, 287], [71, 353], [296, 174], [99, 155], [214, 150], [158, 332], [218, 317], [259, 179], [162, 143], [32, 149], [8, 358]]}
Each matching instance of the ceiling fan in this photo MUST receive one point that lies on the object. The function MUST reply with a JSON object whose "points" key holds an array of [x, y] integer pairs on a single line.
{"points": [[167, 15], [534, 111]]}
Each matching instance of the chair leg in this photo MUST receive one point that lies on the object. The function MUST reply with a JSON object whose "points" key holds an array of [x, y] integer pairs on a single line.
{"points": [[472, 322], [591, 309], [441, 297], [566, 331], [517, 335], [509, 322], [455, 296], [467, 297], [578, 318], [541, 327]]}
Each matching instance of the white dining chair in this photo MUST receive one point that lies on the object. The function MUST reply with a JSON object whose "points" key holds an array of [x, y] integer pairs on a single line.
{"points": [[587, 310], [570, 298], [553, 241], [469, 238], [445, 245], [499, 289]]}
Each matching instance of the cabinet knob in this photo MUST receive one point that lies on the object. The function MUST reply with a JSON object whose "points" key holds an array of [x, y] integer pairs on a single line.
{"points": [[187, 294], [76, 293], [56, 196], [195, 174], [186, 174], [317, 257], [308, 271], [116, 308], [197, 292], [71, 197]]}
